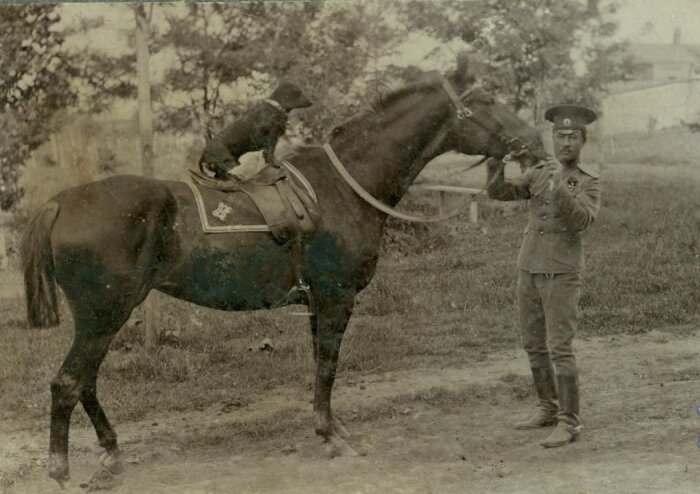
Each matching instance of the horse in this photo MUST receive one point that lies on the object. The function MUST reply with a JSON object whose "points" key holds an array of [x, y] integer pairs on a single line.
{"points": [[108, 243]]}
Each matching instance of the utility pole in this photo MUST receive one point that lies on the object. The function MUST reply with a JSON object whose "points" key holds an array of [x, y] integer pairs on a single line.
{"points": [[145, 133]]}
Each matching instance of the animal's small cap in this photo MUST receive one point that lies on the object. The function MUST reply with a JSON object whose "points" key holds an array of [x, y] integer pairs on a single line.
{"points": [[290, 96]]}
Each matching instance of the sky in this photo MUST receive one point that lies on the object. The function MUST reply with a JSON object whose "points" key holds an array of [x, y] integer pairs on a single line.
{"points": [[640, 21], [654, 21]]}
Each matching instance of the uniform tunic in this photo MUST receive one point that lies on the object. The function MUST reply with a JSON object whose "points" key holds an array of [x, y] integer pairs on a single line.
{"points": [[551, 258]]}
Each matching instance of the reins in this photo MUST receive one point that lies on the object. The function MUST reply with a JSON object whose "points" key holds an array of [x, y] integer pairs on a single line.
{"points": [[371, 200], [462, 112]]}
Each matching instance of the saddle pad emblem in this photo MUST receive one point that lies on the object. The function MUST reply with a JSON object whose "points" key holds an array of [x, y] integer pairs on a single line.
{"points": [[222, 211]]}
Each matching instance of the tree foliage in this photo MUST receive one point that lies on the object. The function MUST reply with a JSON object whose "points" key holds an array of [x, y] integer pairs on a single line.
{"points": [[218, 55], [323, 48], [535, 52], [34, 85]]}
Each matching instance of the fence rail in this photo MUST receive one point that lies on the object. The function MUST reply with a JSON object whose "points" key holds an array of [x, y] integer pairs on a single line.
{"points": [[443, 190]]}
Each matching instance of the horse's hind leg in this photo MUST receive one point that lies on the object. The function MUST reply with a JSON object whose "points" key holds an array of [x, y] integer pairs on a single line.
{"points": [[76, 381], [106, 437]]}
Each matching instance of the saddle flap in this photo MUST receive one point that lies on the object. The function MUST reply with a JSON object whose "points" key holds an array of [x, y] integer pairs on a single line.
{"points": [[288, 210]]}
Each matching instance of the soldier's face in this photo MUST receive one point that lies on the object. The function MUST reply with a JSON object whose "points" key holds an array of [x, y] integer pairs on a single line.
{"points": [[567, 145]]}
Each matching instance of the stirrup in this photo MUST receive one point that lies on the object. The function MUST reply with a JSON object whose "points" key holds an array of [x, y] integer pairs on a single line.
{"points": [[303, 287]]}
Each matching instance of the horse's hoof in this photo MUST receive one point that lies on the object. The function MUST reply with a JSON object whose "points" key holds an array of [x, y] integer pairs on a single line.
{"points": [[336, 447], [339, 429], [111, 460], [103, 480], [58, 469]]}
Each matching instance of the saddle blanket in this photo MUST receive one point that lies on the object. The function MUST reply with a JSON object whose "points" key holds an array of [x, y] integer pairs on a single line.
{"points": [[285, 207]]}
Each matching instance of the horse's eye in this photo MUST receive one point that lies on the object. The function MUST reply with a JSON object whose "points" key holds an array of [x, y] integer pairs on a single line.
{"points": [[337, 131]]}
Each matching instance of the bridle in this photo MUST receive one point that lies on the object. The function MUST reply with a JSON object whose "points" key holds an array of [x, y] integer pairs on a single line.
{"points": [[515, 145]]}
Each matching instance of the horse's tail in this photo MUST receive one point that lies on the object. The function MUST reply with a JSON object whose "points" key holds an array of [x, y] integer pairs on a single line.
{"points": [[38, 268]]}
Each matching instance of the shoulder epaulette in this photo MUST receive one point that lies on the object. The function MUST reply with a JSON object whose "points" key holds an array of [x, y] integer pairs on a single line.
{"points": [[587, 171]]}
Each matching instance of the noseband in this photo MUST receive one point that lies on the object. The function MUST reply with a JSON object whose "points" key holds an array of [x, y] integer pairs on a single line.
{"points": [[515, 145]]}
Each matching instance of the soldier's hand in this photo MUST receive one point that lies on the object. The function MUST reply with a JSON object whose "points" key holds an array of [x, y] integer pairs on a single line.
{"points": [[553, 170], [493, 165], [547, 178]]}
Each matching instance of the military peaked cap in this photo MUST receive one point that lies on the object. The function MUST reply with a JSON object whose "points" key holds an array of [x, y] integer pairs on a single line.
{"points": [[570, 117]]}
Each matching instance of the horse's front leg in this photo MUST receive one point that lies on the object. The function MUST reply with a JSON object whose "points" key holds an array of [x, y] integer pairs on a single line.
{"points": [[328, 328]]}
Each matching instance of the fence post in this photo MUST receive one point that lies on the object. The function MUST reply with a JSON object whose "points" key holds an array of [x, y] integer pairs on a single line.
{"points": [[56, 151], [4, 227], [441, 202], [473, 210], [613, 149]]}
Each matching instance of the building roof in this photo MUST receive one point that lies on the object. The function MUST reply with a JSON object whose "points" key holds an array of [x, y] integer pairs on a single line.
{"points": [[635, 85], [665, 53]]}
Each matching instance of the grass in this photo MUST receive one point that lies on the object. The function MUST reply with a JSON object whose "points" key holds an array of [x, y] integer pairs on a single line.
{"points": [[663, 147], [443, 295]]}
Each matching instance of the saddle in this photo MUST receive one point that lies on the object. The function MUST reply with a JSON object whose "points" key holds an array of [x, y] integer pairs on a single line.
{"points": [[285, 200], [282, 195]]}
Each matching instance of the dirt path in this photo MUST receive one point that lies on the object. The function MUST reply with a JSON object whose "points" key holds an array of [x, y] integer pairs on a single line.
{"points": [[422, 431]]}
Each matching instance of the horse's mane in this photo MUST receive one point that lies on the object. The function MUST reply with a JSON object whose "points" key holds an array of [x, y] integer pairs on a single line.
{"points": [[428, 81]]}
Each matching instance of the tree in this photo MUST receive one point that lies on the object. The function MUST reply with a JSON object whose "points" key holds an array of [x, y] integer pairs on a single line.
{"points": [[143, 35], [35, 84], [535, 51], [323, 47], [143, 55], [221, 55], [214, 46]]}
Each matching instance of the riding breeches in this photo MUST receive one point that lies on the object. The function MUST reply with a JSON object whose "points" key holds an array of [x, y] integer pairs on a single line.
{"points": [[548, 313]]}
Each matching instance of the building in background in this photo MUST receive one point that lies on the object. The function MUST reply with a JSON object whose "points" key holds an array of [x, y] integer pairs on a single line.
{"points": [[665, 62], [662, 90]]}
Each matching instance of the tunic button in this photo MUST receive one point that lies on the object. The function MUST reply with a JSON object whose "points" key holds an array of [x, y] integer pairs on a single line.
{"points": [[544, 216], [541, 232], [546, 201]]}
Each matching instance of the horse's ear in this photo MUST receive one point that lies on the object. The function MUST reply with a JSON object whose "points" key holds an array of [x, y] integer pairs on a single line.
{"points": [[463, 75]]}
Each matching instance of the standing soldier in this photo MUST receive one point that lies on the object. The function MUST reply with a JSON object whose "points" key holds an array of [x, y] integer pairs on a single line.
{"points": [[564, 199]]}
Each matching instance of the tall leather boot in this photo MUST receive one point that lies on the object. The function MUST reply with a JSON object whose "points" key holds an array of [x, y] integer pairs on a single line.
{"points": [[546, 413], [569, 424]]}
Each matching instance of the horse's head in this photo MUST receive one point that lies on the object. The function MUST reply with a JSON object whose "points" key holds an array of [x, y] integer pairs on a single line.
{"points": [[483, 126], [490, 129], [387, 147]]}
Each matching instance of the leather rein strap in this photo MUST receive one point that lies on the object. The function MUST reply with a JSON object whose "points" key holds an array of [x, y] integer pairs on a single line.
{"points": [[462, 113], [367, 197]]}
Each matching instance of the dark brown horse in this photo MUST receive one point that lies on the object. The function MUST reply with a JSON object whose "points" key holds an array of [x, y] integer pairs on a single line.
{"points": [[108, 243]]}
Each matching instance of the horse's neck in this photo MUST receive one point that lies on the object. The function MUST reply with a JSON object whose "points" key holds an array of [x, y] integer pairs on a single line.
{"points": [[388, 166]]}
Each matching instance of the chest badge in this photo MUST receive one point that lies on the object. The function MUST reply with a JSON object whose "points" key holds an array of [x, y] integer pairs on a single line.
{"points": [[571, 183]]}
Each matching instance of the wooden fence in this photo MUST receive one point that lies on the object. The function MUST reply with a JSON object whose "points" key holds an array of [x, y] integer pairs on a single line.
{"points": [[5, 219], [443, 190]]}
